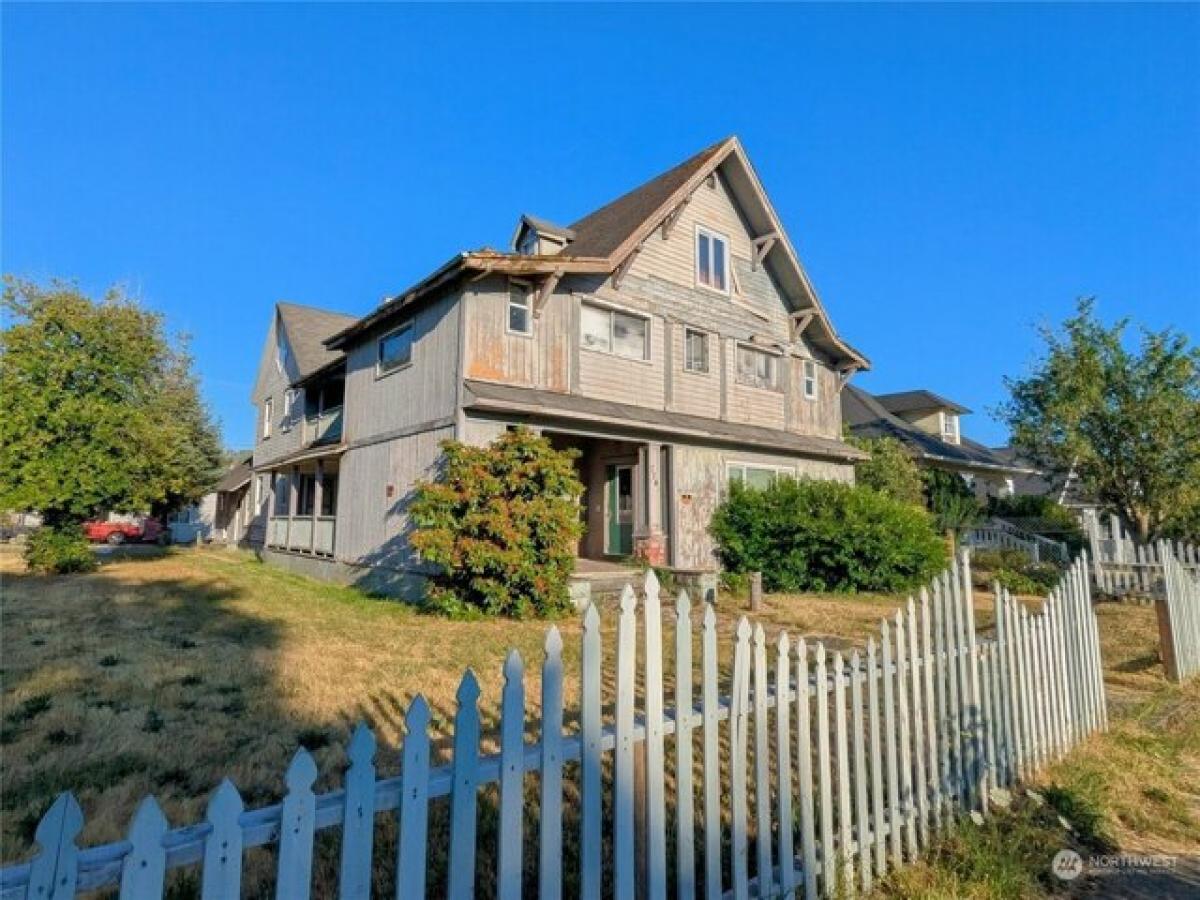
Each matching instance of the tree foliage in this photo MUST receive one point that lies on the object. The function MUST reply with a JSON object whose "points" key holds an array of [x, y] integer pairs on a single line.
{"points": [[1126, 420], [826, 536], [891, 470], [950, 501], [101, 409], [502, 525]]}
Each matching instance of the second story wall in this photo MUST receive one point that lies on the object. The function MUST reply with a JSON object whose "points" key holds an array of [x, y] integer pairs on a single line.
{"points": [[423, 391]]}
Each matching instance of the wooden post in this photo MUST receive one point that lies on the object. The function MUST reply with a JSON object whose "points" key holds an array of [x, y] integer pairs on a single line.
{"points": [[1165, 642], [755, 591]]}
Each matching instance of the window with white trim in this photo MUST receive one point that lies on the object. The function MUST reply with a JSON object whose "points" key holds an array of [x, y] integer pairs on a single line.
{"points": [[289, 409], [757, 368], [949, 428], [268, 405], [520, 313], [712, 260], [695, 350], [395, 350], [756, 475], [810, 380], [281, 351], [611, 331]]}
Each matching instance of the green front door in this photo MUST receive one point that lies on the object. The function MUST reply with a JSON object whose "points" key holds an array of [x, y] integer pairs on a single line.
{"points": [[619, 511]]}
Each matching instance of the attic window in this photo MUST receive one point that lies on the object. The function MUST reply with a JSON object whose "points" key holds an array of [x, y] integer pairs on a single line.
{"points": [[520, 317], [529, 243], [281, 352], [712, 260], [395, 350], [949, 428]]}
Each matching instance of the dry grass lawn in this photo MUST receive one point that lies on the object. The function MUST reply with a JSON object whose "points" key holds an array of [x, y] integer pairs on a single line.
{"points": [[163, 673]]}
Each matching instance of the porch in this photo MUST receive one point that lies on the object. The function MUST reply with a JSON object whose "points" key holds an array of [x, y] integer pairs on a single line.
{"points": [[303, 507], [626, 500]]}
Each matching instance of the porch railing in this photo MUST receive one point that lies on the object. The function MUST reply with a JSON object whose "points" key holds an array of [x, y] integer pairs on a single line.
{"points": [[325, 428], [302, 534]]}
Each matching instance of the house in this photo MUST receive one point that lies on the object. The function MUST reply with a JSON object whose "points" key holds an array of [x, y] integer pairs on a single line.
{"points": [[672, 337], [930, 427]]}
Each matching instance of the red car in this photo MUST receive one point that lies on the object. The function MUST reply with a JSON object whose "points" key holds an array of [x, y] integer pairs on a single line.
{"points": [[140, 531]]}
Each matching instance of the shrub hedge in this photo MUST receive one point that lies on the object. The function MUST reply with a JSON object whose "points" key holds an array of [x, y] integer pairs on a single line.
{"points": [[59, 551], [501, 525], [826, 536]]}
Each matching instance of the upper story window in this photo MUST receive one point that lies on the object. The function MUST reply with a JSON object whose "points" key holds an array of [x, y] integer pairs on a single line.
{"points": [[395, 350], [695, 350], [267, 413], [757, 368], [290, 396], [712, 260], [949, 428], [520, 315], [810, 380], [610, 331]]}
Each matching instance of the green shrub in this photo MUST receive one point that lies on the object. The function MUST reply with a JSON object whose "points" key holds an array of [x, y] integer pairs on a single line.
{"points": [[991, 560], [59, 551], [826, 536], [891, 469], [951, 502], [501, 525]]}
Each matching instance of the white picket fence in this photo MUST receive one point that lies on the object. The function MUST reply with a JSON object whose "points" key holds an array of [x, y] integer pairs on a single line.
{"points": [[1122, 567], [1179, 618], [996, 534], [813, 774]]}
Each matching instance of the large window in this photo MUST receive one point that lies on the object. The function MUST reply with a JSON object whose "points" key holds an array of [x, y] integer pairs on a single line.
{"points": [[609, 331], [695, 350], [520, 317], [757, 476], [712, 260], [268, 405], [306, 494], [757, 368], [283, 495], [810, 380], [329, 494], [395, 350]]}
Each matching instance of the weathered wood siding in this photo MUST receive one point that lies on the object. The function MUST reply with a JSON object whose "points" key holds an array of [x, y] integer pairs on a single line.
{"points": [[752, 405], [699, 481], [372, 526], [422, 392], [540, 360], [695, 393], [822, 416]]}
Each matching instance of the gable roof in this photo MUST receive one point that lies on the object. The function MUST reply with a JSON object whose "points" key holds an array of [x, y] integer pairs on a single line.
{"points": [[236, 475], [605, 239], [307, 328], [866, 416], [601, 233], [910, 401]]}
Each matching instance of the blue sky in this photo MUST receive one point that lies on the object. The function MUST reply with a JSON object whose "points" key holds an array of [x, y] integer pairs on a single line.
{"points": [[950, 175]]}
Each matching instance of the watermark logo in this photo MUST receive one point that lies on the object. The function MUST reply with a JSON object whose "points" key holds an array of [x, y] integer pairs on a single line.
{"points": [[1067, 865]]}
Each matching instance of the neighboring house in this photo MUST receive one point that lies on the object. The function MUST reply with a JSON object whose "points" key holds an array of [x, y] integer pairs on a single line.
{"points": [[672, 337], [1066, 490], [223, 515], [930, 426]]}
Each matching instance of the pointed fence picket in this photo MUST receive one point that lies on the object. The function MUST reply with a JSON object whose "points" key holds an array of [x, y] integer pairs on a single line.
{"points": [[818, 775]]}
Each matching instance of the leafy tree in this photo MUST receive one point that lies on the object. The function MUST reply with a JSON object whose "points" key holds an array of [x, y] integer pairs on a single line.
{"points": [[826, 536], [502, 525], [953, 506], [891, 470], [1126, 420], [101, 410]]}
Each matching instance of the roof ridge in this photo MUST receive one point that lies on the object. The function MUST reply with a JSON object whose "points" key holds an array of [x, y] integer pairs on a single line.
{"points": [[279, 304]]}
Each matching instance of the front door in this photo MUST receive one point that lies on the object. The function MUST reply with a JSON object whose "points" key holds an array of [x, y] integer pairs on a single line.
{"points": [[619, 511]]}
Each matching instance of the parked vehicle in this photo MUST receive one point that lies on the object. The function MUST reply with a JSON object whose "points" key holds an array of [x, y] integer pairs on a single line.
{"points": [[146, 530]]}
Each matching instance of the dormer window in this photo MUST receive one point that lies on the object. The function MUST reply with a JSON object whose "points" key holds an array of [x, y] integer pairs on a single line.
{"points": [[949, 428], [529, 243], [712, 260]]}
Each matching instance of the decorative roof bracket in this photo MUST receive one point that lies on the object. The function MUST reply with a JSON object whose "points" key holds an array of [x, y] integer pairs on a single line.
{"points": [[673, 216], [619, 274], [762, 246]]}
